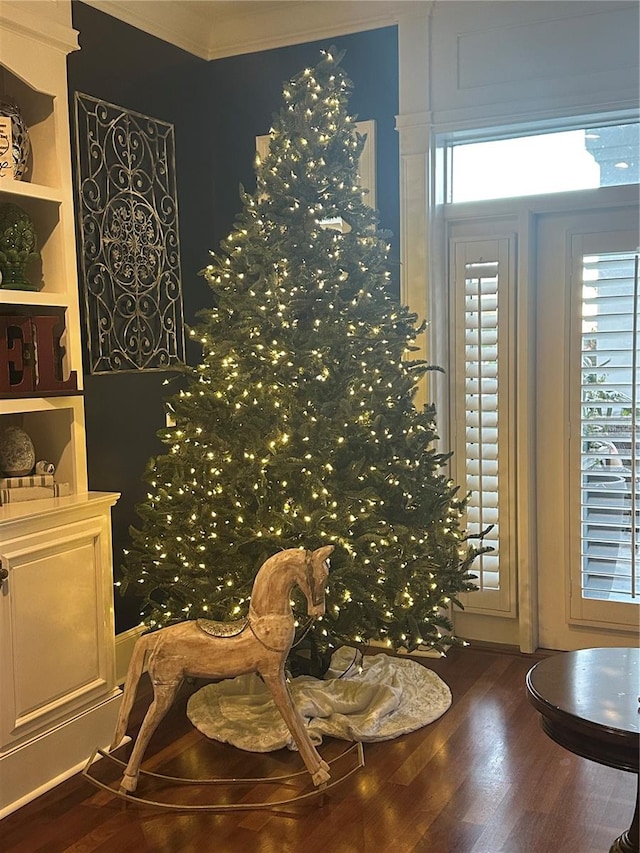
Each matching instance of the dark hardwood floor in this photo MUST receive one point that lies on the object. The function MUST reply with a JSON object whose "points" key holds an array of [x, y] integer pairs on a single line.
{"points": [[483, 778]]}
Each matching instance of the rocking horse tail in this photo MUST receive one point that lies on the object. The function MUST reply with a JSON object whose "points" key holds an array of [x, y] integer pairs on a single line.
{"points": [[136, 666]]}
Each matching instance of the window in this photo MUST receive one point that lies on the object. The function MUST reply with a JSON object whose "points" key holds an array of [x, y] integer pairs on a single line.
{"points": [[545, 163], [543, 375]]}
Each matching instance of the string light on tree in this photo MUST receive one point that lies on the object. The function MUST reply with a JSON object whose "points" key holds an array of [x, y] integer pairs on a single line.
{"points": [[298, 427]]}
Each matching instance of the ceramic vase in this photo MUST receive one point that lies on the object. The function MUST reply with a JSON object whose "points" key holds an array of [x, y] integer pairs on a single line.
{"points": [[17, 247], [21, 145]]}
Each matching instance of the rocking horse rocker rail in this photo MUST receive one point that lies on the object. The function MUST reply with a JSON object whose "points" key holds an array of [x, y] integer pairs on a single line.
{"points": [[262, 645], [282, 780]]}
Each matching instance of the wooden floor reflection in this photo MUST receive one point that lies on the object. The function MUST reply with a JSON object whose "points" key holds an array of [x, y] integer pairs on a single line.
{"points": [[481, 779]]}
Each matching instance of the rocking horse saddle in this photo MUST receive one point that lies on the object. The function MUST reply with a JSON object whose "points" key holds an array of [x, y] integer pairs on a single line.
{"points": [[272, 631], [222, 629]]}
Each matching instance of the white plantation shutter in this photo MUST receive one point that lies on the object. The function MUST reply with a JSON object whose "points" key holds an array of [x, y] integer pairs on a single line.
{"points": [[481, 410], [609, 438], [482, 280]]}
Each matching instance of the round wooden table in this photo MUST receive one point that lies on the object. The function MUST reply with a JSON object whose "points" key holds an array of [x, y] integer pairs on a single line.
{"points": [[589, 704]]}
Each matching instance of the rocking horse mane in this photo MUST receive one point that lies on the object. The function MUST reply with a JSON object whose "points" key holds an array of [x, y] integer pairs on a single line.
{"points": [[281, 562], [291, 553], [302, 573]]}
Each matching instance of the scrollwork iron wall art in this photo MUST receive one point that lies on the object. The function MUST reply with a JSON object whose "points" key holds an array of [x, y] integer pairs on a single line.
{"points": [[130, 258]]}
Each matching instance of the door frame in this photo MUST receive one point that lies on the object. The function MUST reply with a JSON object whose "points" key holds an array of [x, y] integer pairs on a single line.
{"points": [[566, 620]]}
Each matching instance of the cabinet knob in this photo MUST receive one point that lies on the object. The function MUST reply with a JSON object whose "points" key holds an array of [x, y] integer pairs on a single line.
{"points": [[4, 574]]}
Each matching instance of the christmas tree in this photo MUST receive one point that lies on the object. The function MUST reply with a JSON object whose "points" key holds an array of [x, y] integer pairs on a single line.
{"points": [[299, 426]]}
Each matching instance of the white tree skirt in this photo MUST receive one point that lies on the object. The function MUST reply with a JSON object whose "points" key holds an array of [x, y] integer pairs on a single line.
{"points": [[365, 699]]}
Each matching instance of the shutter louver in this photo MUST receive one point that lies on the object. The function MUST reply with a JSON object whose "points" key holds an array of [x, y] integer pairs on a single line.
{"points": [[610, 445], [481, 412]]}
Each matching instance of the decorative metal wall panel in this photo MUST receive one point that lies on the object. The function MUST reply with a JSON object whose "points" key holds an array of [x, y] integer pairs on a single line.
{"points": [[130, 258]]}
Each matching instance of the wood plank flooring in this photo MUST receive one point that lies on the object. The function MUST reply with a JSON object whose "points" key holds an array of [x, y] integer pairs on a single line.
{"points": [[483, 778]]}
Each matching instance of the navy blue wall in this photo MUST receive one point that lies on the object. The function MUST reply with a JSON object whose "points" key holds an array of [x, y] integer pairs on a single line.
{"points": [[124, 66], [217, 109]]}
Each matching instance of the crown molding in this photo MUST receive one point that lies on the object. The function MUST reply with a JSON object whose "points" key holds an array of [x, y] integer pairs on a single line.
{"points": [[26, 19], [214, 29], [279, 24], [169, 20]]}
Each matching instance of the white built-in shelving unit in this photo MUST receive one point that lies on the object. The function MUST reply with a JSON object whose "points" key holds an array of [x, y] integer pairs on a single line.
{"points": [[57, 658]]}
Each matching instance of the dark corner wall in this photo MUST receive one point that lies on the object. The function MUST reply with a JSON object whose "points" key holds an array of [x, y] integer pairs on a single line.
{"points": [[217, 109], [120, 64]]}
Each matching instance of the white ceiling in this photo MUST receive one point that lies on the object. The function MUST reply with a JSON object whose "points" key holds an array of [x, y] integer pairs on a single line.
{"points": [[213, 29]]}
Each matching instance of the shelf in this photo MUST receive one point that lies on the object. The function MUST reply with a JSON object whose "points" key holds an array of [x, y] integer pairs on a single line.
{"points": [[15, 191], [22, 405], [54, 425], [34, 299], [22, 396]]}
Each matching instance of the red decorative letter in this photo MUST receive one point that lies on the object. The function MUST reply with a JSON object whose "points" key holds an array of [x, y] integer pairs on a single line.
{"points": [[16, 355], [47, 332]]}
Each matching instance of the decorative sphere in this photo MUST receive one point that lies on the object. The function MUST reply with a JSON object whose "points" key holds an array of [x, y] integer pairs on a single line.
{"points": [[17, 453]]}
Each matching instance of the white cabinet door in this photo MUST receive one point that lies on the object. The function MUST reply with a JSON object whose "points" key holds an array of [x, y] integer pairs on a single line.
{"points": [[56, 631]]}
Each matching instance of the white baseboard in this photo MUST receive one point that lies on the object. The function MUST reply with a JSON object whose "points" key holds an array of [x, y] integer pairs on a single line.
{"points": [[124, 649], [45, 761]]}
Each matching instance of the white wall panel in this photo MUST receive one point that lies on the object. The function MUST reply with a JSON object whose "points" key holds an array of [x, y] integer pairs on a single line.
{"points": [[495, 59]]}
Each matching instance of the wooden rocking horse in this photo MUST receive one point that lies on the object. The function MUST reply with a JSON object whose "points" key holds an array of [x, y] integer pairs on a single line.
{"points": [[206, 649]]}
